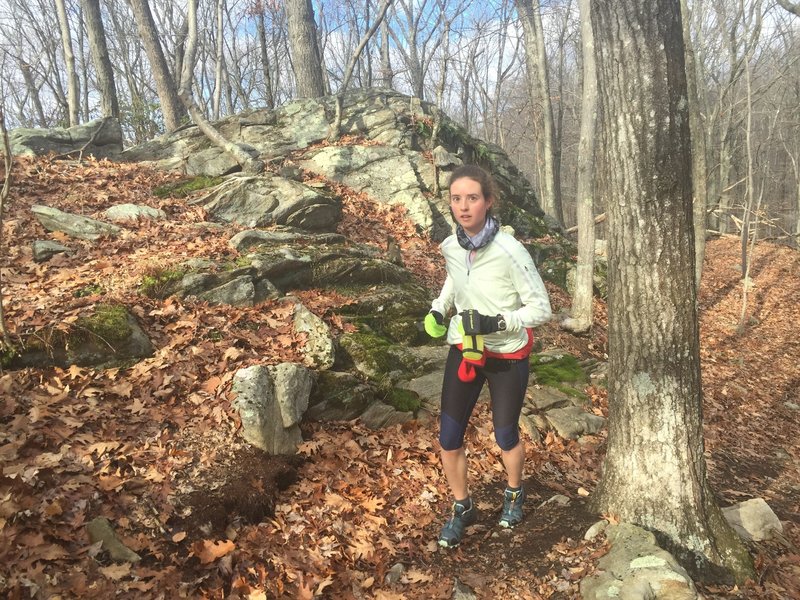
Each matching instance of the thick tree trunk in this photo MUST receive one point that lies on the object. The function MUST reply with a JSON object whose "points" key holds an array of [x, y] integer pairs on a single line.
{"points": [[539, 83], [699, 188], [306, 57], [171, 107], [73, 86], [102, 63], [654, 474], [581, 315]]}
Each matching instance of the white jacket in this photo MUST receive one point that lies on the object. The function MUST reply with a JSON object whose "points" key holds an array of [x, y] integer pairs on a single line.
{"points": [[501, 280]]}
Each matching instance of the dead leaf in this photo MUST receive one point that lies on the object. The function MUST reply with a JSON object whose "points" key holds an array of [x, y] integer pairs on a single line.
{"points": [[179, 537], [209, 551], [116, 572]]}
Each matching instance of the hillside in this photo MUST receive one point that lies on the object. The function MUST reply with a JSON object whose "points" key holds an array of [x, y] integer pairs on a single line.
{"points": [[123, 443]]}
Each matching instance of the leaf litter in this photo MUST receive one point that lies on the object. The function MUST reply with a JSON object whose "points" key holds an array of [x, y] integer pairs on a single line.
{"points": [[138, 445]]}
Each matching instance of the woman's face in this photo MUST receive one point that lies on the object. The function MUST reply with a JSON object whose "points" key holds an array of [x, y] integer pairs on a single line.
{"points": [[469, 205]]}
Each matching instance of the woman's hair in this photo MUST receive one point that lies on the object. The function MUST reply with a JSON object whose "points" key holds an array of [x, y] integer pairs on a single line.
{"points": [[476, 173]]}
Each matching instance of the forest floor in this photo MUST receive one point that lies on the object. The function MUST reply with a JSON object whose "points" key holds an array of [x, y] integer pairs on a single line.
{"points": [[154, 447]]}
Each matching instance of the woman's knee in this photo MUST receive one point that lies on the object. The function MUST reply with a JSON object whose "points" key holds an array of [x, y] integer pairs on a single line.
{"points": [[507, 437]]}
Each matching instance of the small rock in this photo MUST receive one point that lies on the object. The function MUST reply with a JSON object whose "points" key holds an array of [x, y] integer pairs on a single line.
{"points": [[461, 591], [595, 530], [753, 519], [45, 250], [395, 573], [557, 499], [100, 530]]}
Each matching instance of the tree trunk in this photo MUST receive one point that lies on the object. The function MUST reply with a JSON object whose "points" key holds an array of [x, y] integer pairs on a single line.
{"points": [[333, 134], [265, 67], [581, 315], [102, 63], [387, 75], [539, 84], [219, 57], [306, 58], [33, 92], [246, 157], [654, 473], [699, 188], [73, 86], [171, 107]]}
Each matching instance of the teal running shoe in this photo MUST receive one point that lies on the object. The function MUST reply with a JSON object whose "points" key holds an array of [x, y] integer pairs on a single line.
{"points": [[461, 518], [512, 508]]}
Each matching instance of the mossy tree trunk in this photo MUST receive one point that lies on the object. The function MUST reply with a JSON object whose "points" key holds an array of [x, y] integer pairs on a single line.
{"points": [[654, 474]]}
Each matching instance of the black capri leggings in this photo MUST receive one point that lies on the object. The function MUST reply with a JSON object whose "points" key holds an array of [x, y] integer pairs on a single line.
{"points": [[508, 380]]}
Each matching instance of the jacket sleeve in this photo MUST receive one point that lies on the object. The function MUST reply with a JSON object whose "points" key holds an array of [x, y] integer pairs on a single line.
{"points": [[535, 308], [444, 302]]}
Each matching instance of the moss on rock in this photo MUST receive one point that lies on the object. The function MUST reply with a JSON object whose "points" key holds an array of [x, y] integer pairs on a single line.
{"points": [[109, 322], [560, 371], [185, 187], [403, 400], [379, 359]]}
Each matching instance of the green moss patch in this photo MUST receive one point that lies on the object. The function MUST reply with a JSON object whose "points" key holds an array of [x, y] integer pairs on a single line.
{"points": [[184, 188], [559, 371], [158, 283], [89, 290], [403, 400], [109, 322]]}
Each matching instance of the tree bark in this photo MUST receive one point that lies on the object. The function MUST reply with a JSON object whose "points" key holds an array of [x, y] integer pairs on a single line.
{"points": [[654, 473], [581, 315], [109, 101], [219, 56], [73, 86], [539, 84], [171, 107], [33, 91], [7, 161], [265, 66], [387, 75], [306, 57], [699, 175]]}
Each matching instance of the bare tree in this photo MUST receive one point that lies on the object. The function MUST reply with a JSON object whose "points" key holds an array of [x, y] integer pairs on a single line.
{"points": [[539, 83], [581, 316], [171, 106], [246, 157], [102, 62], [73, 87], [306, 56], [348, 73], [792, 7], [654, 472]]}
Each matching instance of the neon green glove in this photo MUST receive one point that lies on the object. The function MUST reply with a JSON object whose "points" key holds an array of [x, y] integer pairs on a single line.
{"points": [[434, 324]]}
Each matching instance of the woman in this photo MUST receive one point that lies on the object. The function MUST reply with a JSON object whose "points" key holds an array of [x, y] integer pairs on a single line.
{"points": [[498, 298]]}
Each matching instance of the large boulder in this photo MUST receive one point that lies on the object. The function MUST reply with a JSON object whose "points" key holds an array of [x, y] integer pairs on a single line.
{"points": [[395, 164], [101, 138], [264, 200]]}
